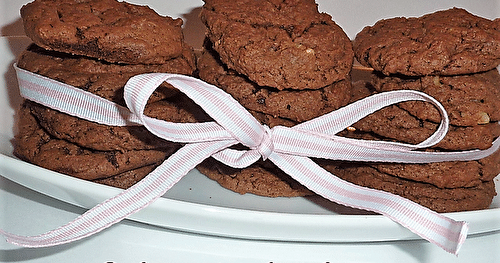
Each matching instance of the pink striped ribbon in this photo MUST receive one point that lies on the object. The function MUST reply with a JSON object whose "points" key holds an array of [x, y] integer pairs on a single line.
{"points": [[288, 148]]}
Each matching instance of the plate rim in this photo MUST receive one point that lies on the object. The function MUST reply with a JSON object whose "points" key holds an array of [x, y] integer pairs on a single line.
{"points": [[259, 225]]}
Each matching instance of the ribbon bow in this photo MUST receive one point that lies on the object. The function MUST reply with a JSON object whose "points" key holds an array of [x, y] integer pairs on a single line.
{"points": [[290, 148]]}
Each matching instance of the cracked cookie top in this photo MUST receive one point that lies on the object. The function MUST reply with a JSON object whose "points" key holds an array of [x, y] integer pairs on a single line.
{"points": [[280, 44], [448, 42], [105, 29], [295, 105]]}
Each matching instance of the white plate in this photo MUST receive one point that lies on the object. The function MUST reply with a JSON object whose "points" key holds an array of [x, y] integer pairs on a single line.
{"points": [[197, 204]]}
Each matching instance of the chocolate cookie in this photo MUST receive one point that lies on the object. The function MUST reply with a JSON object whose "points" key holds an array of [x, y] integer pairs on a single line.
{"points": [[127, 179], [284, 45], [441, 200], [262, 178], [103, 79], [454, 174], [105, 29], [397, 123], [296, 105], [271, 120], [448, 42], [446, 174], [107, 80], [120, 138], [469, 99], [33, 144]]}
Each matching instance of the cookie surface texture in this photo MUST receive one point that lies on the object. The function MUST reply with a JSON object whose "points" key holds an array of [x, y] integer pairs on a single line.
{"points": [[107, 81], [296, 105], [33, 144], [404, 123], [105, 29], [469, 100], [441, 200], [448, 42], [100, 78], [281, 44], [261, 178]]}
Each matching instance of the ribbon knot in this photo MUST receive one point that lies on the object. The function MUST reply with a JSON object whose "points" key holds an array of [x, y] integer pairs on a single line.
{"points": [[266, 146], [289, 149]]}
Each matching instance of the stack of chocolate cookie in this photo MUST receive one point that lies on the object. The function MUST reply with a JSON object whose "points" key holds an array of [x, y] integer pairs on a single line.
{"points": [[282, 60], [451, 55], [97, 45]]}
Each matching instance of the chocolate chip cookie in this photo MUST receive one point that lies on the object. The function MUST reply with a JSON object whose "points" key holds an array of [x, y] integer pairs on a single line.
{"points": [[33, 144], [110, 30], [280, 44], [398, 123], [127, 179], [262, 178], [438, 199], [103, 79], [296, 105], [448, 42], [120, 138], [446, 174], [107, 80], [469, 100]]}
